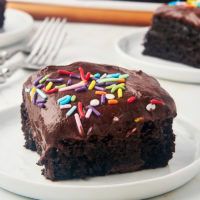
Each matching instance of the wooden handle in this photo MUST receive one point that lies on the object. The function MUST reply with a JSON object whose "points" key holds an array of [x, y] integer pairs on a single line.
{"points": [[80, 14]]}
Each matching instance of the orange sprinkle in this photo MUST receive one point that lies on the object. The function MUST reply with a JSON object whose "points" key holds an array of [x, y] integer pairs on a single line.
{"points": [[189, 6], [121, 81], [138, 119], [100, 92], [113, 101]]}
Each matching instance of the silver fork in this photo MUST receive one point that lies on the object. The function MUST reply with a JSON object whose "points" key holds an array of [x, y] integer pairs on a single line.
{"points": [[45, 48], [6, 54]]}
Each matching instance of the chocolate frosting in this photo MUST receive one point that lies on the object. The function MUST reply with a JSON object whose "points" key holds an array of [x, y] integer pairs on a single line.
{"points": [[180, 13], [51, 126]]}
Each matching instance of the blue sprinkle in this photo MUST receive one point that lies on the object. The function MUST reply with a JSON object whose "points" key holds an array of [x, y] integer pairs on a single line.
{"points": [[66, 100], [113, 75], [61, 99], [97, 75], [172, 3]]}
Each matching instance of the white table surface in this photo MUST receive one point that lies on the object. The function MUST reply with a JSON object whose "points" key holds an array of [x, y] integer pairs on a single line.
{"points": [[95, 43]]}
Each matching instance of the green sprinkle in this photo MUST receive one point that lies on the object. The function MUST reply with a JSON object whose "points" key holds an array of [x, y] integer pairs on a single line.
{"points": [[110, 87], [115, 88], [61, 86], [124, 76], [70, 112], [104, 80], [44, 78], [73, 98]]}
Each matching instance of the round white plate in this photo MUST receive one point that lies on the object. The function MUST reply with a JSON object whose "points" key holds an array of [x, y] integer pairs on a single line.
{"points": [[20, 174], [131, 48], [16, 27]]}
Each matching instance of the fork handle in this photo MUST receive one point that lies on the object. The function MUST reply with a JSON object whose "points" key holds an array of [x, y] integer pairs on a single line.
{"points": [[8, 71], [7, 54]]}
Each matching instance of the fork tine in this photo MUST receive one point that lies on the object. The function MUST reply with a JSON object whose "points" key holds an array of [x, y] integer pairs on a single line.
{"points": [[53, 43], [39, 42], [47, 41], [59, 43], [38, 32]]}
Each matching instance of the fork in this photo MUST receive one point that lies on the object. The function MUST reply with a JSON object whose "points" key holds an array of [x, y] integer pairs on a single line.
{"points": [[43, 48], [7, 54]]}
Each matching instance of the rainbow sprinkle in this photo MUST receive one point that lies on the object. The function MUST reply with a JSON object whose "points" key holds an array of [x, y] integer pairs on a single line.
{"points": [[65, 106], [61, 86], [32, 93], [119, 92], [44, 78], [88, 113], [97, 75], [116, 87], [36, 82], [71, 111], [79, 124], [66, 100], [72, 87], [113, 75], [108, 80], [27, 90], [49, 86], [73, 98], [42, 94], [92, 85], [139, 119], [61, 99], [113, 101]]}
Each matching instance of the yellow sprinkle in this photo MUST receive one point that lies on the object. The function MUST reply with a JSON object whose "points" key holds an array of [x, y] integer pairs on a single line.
{"points": [[92, 84], [119, 92], [91, 75], [122, 84], [49, 86], [138, 119], [32, 93], [83, 82]]}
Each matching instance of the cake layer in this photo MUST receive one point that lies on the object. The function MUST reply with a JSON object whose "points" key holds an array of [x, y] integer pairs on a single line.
{"points": [[99, 156], [173, 48], [124, 137], [174, 35]]}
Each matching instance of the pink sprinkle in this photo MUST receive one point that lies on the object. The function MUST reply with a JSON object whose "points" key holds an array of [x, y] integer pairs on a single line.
{"points": [[79, 124], [72, 87], [65, 106], [89, 112]]}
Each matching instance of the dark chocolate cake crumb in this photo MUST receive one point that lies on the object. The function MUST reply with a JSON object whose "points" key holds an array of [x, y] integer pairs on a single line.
{"points": [[174, 35]]}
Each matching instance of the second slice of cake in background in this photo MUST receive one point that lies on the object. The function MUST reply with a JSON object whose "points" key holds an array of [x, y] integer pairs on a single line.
{"points": [[174, 34]]}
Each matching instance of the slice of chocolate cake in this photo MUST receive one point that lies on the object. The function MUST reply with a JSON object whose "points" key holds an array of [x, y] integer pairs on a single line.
{"points": [[2, 10], [88, 119], [174, 34]]}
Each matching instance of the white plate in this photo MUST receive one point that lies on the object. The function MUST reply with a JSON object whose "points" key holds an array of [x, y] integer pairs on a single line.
{"points": [[131, 48], [17, 26], [20, 174]]}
